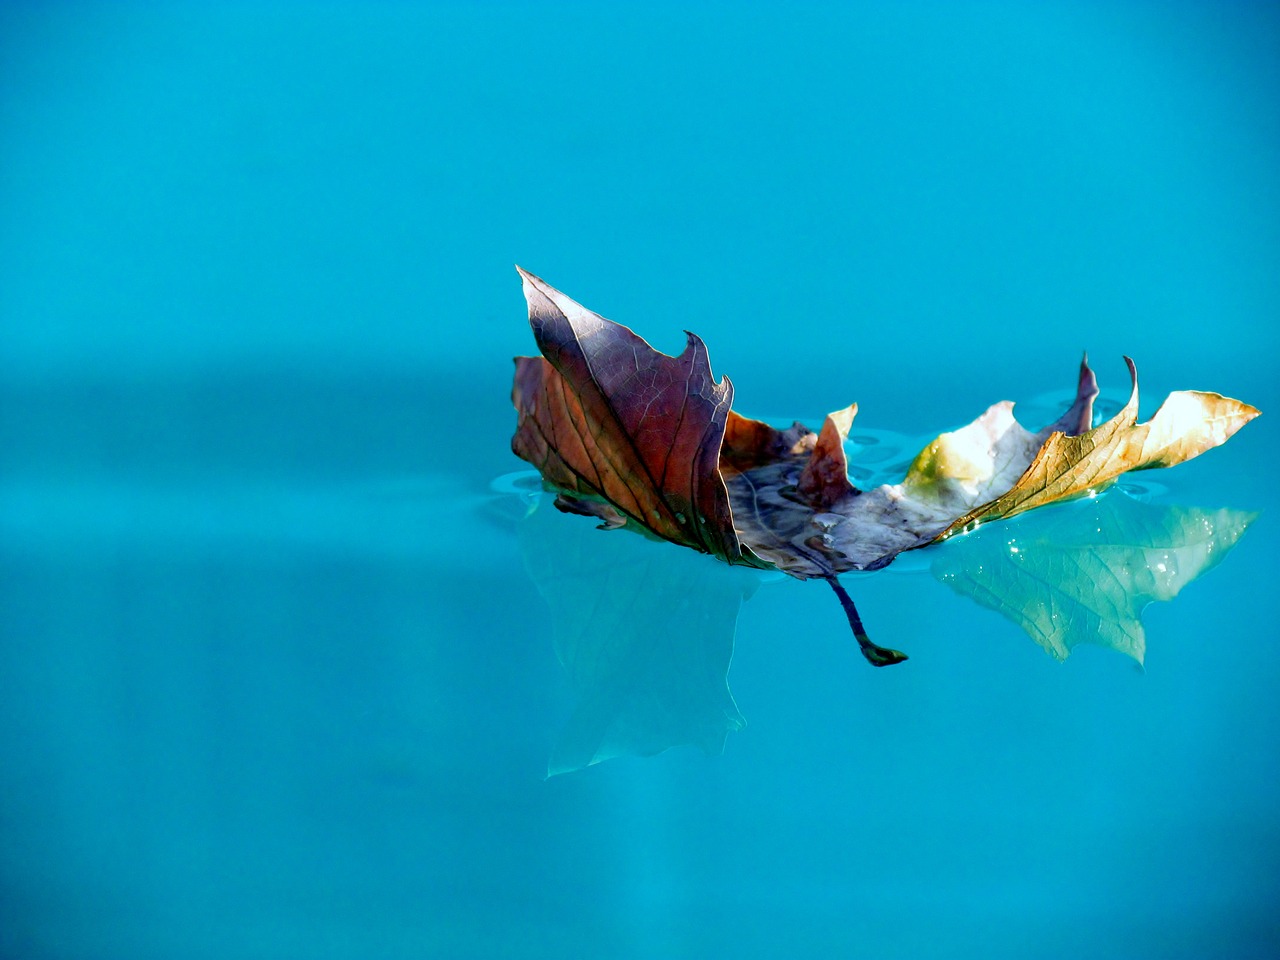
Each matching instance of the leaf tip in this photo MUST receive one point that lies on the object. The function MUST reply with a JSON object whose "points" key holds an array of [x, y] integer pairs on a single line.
{"points": [[1088, 382], [842, 420], [537, 290], [693, 342]]}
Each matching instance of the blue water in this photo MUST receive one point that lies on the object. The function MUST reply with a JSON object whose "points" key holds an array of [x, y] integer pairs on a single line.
{"points": [[279, 674]]}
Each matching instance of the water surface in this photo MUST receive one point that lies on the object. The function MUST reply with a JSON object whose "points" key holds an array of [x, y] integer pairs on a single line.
{"points": [[281, 672]]}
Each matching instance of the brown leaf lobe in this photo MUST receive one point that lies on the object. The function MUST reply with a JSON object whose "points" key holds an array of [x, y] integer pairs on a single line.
{"points": [[604, 415]]}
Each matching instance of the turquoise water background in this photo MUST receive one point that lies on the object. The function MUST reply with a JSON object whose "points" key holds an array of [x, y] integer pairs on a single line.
{"points": [[277, 679]]}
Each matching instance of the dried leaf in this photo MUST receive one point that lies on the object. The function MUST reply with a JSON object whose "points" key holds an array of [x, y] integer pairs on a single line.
{"points": [[605, 417], [634, 437]]}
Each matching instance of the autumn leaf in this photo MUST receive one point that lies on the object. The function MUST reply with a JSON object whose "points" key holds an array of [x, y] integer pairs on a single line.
{"points": [[636, 438], [625, 433], [1083, 575]]}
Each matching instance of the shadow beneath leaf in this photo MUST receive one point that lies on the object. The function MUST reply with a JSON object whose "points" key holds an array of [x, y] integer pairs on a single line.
{"points": [[645, 631]]}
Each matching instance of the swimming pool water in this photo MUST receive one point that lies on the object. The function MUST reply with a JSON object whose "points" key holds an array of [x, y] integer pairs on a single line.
{"points": [[291, 644]]}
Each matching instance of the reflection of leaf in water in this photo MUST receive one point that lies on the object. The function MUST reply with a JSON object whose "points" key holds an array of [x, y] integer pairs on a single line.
{"points": [[645, 634], [1083, 573]]}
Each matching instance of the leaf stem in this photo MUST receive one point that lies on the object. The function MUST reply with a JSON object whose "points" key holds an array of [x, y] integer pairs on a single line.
{"points": [[876, 655]]}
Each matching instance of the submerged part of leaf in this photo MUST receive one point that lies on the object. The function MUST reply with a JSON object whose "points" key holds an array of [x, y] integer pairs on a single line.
{"points": [[875, 654], [606, 417], [645, 635], [1188, 423], [610, 519], [1084, 574]]}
